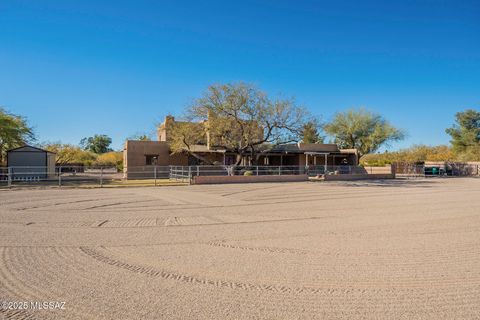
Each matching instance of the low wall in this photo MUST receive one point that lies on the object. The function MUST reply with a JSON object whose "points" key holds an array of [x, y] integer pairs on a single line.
{"points": [[247, 179], [349, 177], [378, 170]]}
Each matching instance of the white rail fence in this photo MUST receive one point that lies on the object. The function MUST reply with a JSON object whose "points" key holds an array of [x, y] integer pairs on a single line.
{"points": [[100, 176], [83, 175], [188, 172]]}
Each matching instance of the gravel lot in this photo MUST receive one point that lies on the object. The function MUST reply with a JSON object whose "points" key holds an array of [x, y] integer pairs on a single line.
{"points": [[403, 249]]}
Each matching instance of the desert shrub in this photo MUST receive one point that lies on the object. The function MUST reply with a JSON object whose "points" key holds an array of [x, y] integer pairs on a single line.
{"points": [[110, 159], [68, 154], [413, 154]]}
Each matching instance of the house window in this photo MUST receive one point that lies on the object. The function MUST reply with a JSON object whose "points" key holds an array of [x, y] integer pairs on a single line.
{"points": [[151, 159]]}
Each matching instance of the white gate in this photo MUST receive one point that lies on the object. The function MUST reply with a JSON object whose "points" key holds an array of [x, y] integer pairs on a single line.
{"points": [[181, 173]]}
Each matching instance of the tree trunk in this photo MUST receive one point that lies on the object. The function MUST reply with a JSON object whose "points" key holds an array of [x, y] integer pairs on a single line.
{"points": [[254, 157], [239, 159]]}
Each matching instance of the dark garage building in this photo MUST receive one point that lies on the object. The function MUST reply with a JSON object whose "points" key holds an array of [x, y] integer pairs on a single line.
{"points": [[29, 162]]}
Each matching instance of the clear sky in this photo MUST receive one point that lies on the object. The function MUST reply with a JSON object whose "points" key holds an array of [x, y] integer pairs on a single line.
{"points": [[77, 68]]}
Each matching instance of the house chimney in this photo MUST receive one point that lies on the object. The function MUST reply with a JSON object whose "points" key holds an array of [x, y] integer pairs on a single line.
{"points": [[165, 127]]}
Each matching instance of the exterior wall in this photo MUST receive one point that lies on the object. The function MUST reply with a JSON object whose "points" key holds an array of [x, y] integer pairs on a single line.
{"points": [[27, 159], [364, 173], [51, 162], [247, 179], [134, 157], [29, 162], [301, 159], [137, 150], [135, 165], [163, 128], [379, 170]]}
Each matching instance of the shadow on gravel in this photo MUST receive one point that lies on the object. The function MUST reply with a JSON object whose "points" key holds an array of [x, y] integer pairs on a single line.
{"points": [[424, 183]]}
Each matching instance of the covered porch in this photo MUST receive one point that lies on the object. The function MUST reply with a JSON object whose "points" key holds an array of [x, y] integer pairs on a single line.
{"points": [[308, 159]]}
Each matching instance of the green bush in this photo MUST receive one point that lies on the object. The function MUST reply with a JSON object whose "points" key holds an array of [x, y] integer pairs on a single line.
{"points": [[248, 173]]}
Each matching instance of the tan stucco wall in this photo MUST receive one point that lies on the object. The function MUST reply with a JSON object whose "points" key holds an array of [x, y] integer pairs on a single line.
{"points": [[378, 170], [135, 152]]}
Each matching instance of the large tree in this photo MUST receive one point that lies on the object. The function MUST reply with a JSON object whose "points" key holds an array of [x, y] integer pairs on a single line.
{"points": [[310, 133], [465, 134], [242, 119], [362, 130], [14, 132], [98, 144]]}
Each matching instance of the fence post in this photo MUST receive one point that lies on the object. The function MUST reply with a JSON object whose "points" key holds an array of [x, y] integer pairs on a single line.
{"points": [[60, 176], [189, 174], [279, 170], [155, 174], [9, 177], [257, 170], [101, 177], [198, 171]]}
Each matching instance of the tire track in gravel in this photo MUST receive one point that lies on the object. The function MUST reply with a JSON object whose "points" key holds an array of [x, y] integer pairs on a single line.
{"points": [[42, 274], [174, 221], [273, 288], [63, 203], [18, 315], [223, 244], [257, 202], [16, 289], [168, 275]]}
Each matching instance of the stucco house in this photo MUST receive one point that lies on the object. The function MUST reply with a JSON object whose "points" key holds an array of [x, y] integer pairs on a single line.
{"points": [[143, 156]]}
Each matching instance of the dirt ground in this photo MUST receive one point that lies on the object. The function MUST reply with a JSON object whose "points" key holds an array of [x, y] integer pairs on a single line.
{"points": [[403, 249]]}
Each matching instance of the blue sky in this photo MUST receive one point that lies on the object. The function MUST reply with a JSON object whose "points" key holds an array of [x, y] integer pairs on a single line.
{"points": [[77, 68]]}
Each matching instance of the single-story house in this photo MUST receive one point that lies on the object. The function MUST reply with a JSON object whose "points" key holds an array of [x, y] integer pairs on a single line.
{"points": [[140, 158]]}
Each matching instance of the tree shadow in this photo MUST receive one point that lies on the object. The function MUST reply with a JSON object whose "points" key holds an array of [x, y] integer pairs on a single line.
{"points": [[413, 183]]}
